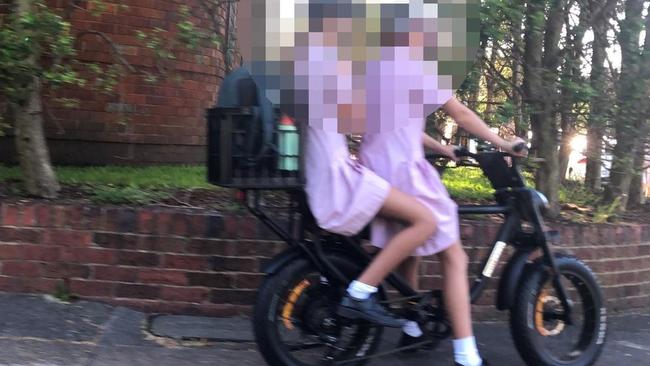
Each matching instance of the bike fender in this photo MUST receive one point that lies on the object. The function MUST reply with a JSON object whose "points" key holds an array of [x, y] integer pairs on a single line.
{"points": [[292, 253], [510, 278]]}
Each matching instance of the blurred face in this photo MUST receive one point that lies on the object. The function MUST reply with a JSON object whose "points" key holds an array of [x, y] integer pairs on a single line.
{"points": [[357, 66]]}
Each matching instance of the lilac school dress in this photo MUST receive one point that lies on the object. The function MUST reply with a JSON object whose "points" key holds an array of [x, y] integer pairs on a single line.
{"points": [[343, 195], [398, 157]]}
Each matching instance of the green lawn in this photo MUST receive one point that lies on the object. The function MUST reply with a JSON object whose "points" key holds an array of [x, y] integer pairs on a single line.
{"points": [[150, 177], [467, 184]]}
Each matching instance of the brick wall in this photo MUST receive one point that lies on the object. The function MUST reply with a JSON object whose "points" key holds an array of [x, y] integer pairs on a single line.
{"points": [[200, 262], [142, 122]]}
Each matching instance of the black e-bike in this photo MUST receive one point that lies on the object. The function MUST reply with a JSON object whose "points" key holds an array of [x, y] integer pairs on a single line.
{"points": [[557, 311]]}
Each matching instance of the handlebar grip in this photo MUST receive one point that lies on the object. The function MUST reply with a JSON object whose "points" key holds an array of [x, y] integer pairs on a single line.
{"points": [[520, 147], [461, 151]]}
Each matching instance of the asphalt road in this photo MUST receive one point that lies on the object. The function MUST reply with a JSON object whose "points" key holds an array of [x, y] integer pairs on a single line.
{"points": [[39, 331]]}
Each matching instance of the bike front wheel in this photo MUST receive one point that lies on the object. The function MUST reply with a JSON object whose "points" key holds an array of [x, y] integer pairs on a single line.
{"points": [[295, 319], [537, 322]]}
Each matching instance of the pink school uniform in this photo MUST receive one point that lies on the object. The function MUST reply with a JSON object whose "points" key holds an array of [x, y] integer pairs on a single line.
{"points": [[397, 155], [343, 195]]}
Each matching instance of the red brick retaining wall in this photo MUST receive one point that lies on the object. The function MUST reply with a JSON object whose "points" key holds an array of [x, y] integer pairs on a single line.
{"points": [[201, 262]]}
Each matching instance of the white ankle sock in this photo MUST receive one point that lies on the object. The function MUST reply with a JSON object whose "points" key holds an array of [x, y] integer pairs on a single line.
{"points": [[412, 328], [466, 353], [360, 290]]}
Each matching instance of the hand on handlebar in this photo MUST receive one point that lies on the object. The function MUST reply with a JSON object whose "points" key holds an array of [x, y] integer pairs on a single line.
{"points": [[449, 151], [516, 147]]}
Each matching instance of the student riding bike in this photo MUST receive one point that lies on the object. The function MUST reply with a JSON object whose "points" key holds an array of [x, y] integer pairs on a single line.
{"points": [[398, 157], [394, 182]]}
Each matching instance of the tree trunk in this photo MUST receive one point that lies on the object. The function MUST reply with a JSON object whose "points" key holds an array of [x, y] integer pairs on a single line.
{"points": [[622, 172], [521, 127], [33, 154], [540, 85], [637, 195], [473, 91], [630, 117], [593, 169], [572, 78], [601, 12], [490, 92]]}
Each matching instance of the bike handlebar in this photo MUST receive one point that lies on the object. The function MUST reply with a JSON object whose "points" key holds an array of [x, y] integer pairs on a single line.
{"points": [[520, 147], [463, 152]]}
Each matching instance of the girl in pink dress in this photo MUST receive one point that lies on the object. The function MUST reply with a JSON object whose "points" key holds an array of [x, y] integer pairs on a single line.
{"points": [[394, 182], [344, 196], [398, 157]]}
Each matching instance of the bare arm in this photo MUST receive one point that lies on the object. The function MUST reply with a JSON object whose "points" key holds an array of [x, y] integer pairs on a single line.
{"points": [[430, 143], [473, 124]]}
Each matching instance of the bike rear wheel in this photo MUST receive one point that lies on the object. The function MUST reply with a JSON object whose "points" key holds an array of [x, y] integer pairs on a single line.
{"points": [[295, 319], [539, 331]]}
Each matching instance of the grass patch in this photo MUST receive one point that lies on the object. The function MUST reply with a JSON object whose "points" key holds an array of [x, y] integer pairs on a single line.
{"points": [[9, 173], [467, 183], [136, 185], [166, 176], [128, 184], [125, 195], [150, 184], [145, 177]]}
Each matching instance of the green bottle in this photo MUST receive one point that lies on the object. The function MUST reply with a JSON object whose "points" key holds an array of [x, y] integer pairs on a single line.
{"points": [[288, 144]]}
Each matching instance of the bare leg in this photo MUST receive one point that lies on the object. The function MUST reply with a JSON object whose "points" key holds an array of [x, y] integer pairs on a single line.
{"points": [[420, 227], [454, 263], [409, 270]]}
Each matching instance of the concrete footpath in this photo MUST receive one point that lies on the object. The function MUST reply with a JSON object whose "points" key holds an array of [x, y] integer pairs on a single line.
{"points": [[39, 331]]}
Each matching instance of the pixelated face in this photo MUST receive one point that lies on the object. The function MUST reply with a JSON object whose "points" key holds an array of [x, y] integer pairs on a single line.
{"points": [[358, 66]]}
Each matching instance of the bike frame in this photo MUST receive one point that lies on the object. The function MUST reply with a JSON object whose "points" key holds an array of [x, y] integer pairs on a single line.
{"points": [[516, 204]]}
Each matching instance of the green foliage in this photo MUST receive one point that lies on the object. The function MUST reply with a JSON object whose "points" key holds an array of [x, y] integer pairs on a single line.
{"points": [[62, 292], [8, 173], [586, 206], [505, 112], [146, 177], [580, 90], [25, 42], [193, 37], [40, 44], [168, 176], [108, 77], [607, 212], [575, 192], [467, 184], [125, 195], [497, 16]]}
